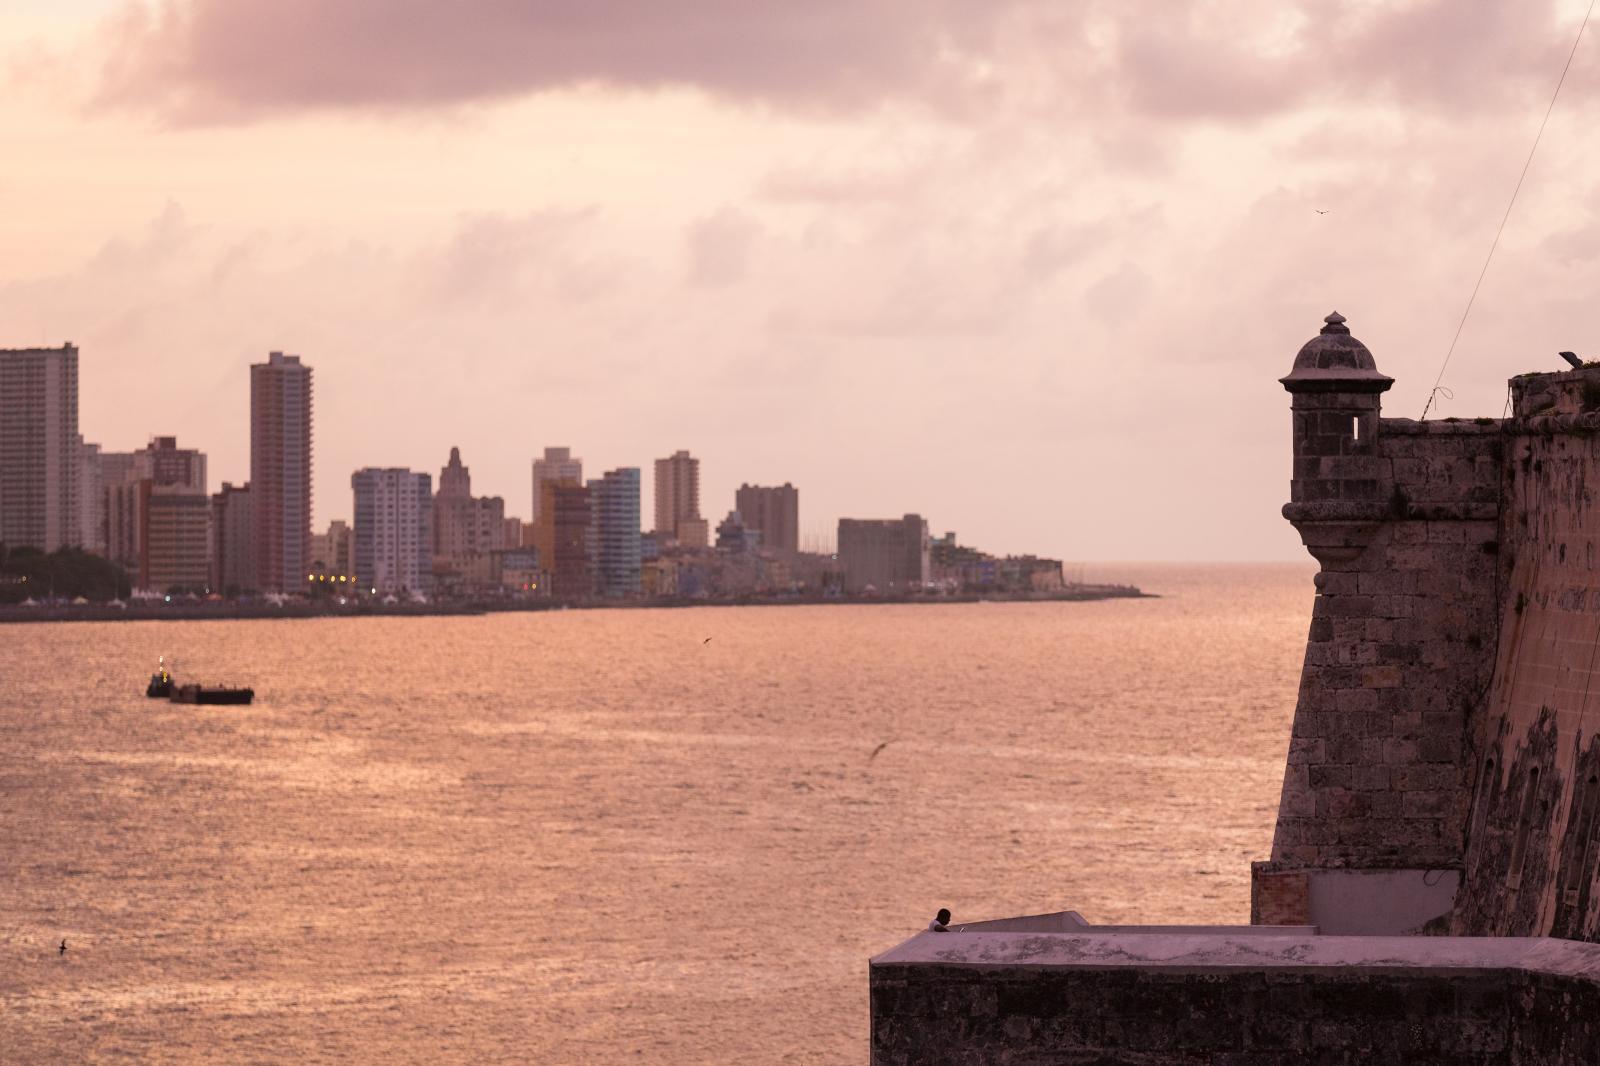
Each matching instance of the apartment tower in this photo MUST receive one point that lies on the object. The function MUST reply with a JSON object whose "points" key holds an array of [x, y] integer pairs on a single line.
{"points": [[40, 454], [614, 536], [393, 529], [556, 465], [280, 470], [774, 511], [678, 500]]}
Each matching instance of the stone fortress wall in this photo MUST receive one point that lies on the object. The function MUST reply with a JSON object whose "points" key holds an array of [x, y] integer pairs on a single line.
{"points": [[1443, 778], [1442, 769]]}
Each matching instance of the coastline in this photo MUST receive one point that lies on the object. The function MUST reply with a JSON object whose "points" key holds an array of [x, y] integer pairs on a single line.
{"points": [[207, 612]]}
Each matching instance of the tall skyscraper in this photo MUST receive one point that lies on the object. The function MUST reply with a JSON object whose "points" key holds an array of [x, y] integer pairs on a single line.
{"points": [[233, 541], [280, 470], [465, 527], [889, 554], [678, 500], [557, 465], [91, 499], [774, 511], [393, 530], [561, 537], [40, 457], [614, 537]]}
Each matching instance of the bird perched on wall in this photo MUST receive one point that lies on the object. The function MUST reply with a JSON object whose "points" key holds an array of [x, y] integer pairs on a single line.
{"points": [[1577, 364]]}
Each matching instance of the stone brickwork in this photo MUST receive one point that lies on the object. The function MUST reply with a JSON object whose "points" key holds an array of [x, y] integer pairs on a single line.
{"points": [[1403, 517], [1533, 836], [1447, 716]]}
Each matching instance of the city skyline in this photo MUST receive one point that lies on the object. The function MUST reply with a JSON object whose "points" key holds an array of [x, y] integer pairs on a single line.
{"points": [[881, 264]]}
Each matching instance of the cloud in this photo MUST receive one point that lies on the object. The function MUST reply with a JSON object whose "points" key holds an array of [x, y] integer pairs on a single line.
{"points": [[719, 247], [210, 60], [495, 258], [207, 61]]}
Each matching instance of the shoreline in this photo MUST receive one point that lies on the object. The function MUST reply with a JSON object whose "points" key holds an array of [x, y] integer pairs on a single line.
{"points": [[209, 612]]}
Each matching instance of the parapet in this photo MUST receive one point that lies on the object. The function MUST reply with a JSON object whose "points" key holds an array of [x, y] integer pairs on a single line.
{"points": [[1223, 995]]}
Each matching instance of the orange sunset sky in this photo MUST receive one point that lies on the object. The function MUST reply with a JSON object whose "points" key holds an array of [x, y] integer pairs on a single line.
{"points": [[1031, 269]]}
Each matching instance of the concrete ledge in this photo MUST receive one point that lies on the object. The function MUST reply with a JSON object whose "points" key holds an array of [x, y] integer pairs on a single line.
{"points": [[1159, 997]]}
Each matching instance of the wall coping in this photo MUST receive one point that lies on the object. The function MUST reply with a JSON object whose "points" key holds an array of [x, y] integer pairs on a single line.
{"points": [[1222, 951], [1410, 427]]}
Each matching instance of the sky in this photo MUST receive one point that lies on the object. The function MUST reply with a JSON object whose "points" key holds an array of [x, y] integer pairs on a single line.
{"points": [[1029, 268]]}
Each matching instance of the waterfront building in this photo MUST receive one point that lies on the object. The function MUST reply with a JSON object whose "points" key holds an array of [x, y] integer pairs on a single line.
{"points": [[333, 552], [233, 540], [280, 470], [393, 530], [556, 465], [119, 508], [175, 538], [614, 536], [889, 555], [736, 538], [158, 515], [561, 537], [91, 499], [174, 517], [519, 570], [466, 528], [511, 533], [678, 500], [775, 512], [39, 448]]}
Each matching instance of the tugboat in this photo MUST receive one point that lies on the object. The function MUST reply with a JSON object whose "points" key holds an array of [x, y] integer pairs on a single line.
{"points": [[160, 682], [212, 694]]}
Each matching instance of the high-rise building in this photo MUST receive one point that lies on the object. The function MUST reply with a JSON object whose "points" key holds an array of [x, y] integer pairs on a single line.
{"points": [[157, 515], [39, 448], [175, 538], [119, 508], [393, 529], [557, 465], [280, 470], [774, 511], [91, 499], [614, 536], [561, 538], [465, 527], [233, 541], [172, 517], [678, 500], [889, 554]]}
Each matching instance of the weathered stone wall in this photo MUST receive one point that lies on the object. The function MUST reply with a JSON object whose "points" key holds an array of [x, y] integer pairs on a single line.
{"points": [[1532, 850], [1156, 1001], [1398, 656], [1448, 706]]}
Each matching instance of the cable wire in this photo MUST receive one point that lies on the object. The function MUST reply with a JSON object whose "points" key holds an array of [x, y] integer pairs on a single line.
{"points": [[1496, 243]]}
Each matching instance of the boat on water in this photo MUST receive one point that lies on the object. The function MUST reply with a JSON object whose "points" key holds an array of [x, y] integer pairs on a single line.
{"points": [[211, 694], [160, 682], [162, 685]]}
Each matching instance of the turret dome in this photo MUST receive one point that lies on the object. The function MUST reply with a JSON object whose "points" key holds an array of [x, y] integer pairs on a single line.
{"points": [[1334, 361]]}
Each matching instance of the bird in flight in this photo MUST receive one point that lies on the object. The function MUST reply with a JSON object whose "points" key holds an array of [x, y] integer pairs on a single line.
{"points": [[63, 949], [1319, 210], [706, 641], [877, 749]]}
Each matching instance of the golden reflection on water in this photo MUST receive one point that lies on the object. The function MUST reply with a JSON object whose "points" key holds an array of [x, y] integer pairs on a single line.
{"points": [[591, 836]]}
